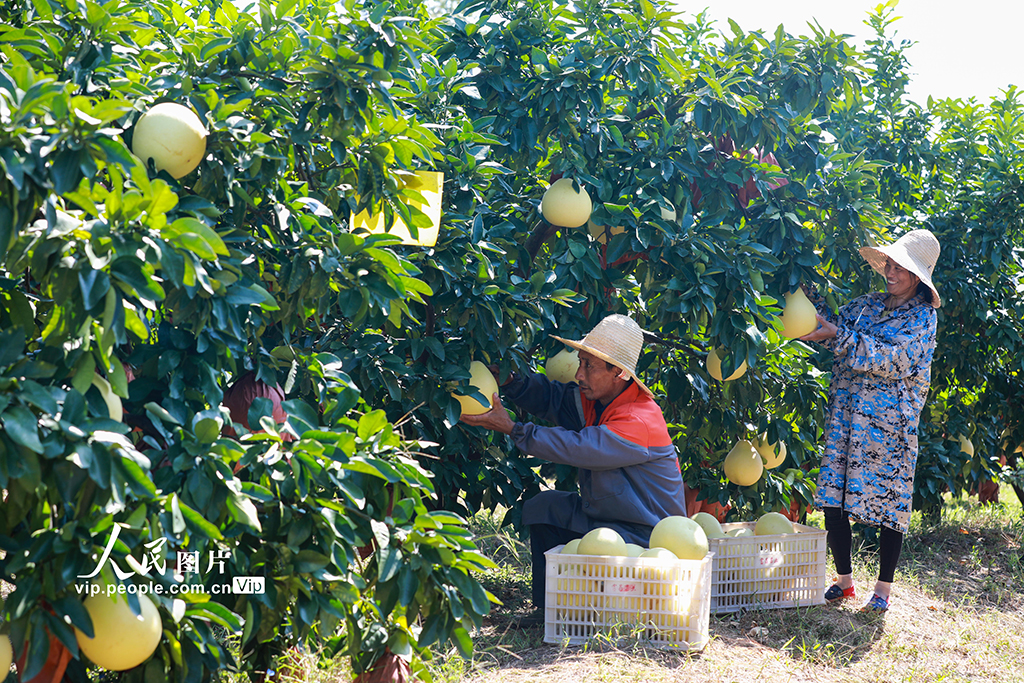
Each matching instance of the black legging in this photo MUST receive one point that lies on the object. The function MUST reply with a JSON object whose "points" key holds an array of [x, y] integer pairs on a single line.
{"points": [[544, 537], [840, 542]]}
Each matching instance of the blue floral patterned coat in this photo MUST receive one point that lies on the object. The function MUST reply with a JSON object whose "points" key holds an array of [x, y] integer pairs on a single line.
{"points": [[880, 377]]}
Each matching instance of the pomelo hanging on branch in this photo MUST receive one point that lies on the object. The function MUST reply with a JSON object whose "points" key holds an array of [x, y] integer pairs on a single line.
{"points": [[121, 639], [602, 233], [173, 136], [799, 316], [743, 465], [767, 451], [714, 365], [6, 655], [483, 380], [563, 206], [562, 366]]}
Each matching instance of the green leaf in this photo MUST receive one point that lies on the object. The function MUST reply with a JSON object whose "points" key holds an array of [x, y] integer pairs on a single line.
{"points": [[12, 345], [196, 228], [199, 523], [94, 285], [21, 425], [308, 561], [243, 511]]}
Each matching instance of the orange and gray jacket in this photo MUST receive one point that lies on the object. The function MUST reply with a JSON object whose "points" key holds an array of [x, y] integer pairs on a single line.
{"points": [[628, 466]]}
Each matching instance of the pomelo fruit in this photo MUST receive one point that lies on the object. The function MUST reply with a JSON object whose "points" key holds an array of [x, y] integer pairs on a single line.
{"points": [[740, 532], [682, 536], [601, 233], [710, 525], [6, 656], [743, 465], [571, 547], [563, 206], [714, 365], [767, 451], [121, 640], [633, 550], [483, 380], [602, 541], [562, 366], [799, 316], [173, 136], [772, 523]]}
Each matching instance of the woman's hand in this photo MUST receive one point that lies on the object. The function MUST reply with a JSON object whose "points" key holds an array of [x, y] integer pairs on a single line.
{"points": [[495, 419], [826, 330]]}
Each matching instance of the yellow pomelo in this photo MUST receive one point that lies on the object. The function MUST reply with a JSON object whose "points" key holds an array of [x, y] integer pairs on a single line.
{"points": [[6, 656], [483, 380], [767, 451], [601, 232], [714, 363], [562, 366], [773, 523], [571, 547], [682, 536], [658, 573], [564, 206], [173, 136], [121, 640], [113, 401], [710, 525], [799, 316], [965, 445], [743, 465], [633, 550], [602, 541], [737, 533]]}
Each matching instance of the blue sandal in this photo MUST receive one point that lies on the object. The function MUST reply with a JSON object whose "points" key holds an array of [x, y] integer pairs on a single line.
{"points": [[875, 605]]}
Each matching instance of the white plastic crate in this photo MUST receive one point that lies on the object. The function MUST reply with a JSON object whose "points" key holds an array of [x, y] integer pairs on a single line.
{"points": [[767, 572], [663, 603]]}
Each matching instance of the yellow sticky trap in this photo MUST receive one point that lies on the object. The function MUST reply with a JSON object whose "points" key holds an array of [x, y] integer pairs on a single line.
{"points": [[428, 184]]}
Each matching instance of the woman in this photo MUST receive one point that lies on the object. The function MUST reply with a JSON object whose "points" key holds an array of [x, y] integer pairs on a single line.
{"points": [[882, 345]]}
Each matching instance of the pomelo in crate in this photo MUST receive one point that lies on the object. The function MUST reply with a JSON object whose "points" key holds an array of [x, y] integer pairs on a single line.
{"points": [[602, 541], [682, 536]]}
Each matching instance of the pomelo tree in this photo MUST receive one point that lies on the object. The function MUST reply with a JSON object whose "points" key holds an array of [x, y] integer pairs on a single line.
{"points": [[173, 411]]}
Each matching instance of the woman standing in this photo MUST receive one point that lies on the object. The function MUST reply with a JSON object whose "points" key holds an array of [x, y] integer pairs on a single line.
{"points": [[882, 345]]}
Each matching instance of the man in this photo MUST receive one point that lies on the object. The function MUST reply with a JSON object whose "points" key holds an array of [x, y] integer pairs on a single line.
{"points": [[608, 426]]}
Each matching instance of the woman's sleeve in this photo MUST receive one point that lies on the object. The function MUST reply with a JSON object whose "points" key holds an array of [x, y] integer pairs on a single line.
{"points": [[893, 357]]}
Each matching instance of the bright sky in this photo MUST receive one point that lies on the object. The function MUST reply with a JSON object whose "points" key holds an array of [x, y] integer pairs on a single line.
{"points": [[963, 49]]}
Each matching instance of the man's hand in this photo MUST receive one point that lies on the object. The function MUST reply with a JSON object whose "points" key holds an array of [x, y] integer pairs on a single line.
{"points": [[826, 330], [495, 419]]}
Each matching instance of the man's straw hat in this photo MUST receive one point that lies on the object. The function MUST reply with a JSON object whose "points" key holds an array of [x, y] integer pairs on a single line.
{"points": [[917, 251], [617, 339]]}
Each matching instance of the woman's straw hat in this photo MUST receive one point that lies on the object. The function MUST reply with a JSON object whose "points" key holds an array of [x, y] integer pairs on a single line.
{"points": [[917, 251], [617, 339]]}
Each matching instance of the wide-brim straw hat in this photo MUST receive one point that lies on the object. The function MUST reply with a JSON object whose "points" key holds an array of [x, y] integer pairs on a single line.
{"points": [[617, 340], [917, 251]]}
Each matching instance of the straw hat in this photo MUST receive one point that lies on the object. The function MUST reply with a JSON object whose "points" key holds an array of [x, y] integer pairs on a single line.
{"points": [[917, 251], [617, 339]]}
